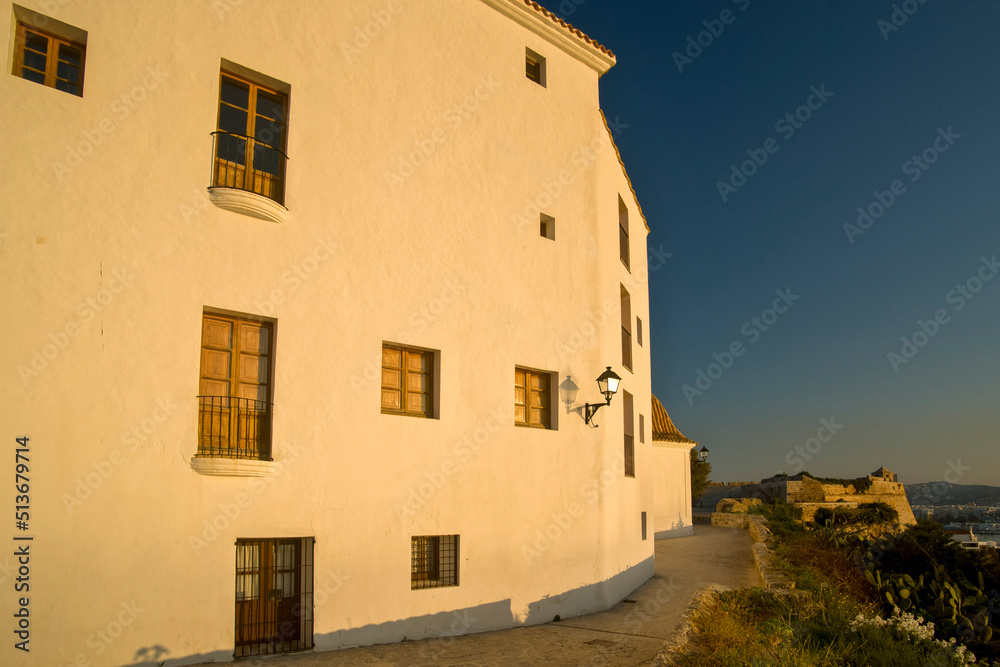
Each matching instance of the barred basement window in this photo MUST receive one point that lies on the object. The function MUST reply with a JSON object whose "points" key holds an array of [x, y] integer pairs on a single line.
{"points": [[274, 595], [433, 561]]}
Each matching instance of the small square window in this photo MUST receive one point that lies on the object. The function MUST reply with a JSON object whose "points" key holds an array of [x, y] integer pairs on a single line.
{"points": [[547, 227], [433, 561], [53, 57], [407, 381], [532, 398], [534, 67]]}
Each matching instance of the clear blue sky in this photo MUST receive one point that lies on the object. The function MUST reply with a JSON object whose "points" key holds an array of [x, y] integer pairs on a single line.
{"points": [[886, 95]]}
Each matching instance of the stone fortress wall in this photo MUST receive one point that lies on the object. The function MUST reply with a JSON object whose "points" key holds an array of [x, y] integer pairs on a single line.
{"points": [[810, 494]]}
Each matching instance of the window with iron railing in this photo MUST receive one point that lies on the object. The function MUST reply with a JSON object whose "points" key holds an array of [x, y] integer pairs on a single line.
{"points": [[248, 146], [234, 402]]}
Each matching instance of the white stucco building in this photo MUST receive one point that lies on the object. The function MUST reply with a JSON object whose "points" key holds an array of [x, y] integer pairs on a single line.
{"points": [[671, 467], [306, 302]]}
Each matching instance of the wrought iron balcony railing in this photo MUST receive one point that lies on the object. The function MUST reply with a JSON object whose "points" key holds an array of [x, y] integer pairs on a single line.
{"points": [[235, 428], [244, 163]]}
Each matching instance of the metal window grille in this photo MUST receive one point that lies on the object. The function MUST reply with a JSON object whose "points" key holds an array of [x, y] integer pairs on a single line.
{"points": [[274, 595], [433, 561], [629, 457], [233, 427]]}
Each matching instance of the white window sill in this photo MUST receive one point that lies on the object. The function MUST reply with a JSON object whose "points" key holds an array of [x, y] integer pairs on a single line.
{"points": [[248, 203], [225, 467]]}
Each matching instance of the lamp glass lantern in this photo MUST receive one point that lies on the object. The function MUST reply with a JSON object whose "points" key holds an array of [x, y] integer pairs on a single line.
{"points": [[608, 384]]}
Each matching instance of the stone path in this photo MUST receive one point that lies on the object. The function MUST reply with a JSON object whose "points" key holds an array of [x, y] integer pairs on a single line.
{"points": [[630, 633]]}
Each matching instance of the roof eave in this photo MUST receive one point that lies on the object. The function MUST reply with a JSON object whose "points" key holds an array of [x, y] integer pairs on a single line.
{"points": [[547, 25]]}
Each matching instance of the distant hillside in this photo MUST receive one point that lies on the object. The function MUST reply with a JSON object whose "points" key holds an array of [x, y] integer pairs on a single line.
{"points": [[943, 493]]}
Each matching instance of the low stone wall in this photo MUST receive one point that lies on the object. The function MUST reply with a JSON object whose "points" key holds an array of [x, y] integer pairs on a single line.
{"points": [[760, 534]]}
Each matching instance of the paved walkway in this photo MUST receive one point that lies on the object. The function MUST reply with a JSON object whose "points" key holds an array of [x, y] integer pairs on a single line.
{"points": [[630, 633]]}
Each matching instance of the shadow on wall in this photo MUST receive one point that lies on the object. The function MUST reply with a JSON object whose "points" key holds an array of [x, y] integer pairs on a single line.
{"points": [[445, 626], [438, 630], [678, 528]]}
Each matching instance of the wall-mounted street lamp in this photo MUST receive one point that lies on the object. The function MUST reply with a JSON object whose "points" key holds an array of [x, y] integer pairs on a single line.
{"points": [[608, 384], [703, 454]]}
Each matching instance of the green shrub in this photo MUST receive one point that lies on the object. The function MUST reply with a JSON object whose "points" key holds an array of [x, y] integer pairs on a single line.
{"points": [[867, 514]]}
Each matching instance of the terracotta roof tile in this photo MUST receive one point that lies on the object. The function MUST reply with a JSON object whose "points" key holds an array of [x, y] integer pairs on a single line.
{"points": [[663, 428], [579, 33]]}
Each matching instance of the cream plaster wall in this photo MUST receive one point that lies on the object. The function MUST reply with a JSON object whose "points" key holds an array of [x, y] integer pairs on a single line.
{"points": [[672, 490], [110, 251]]}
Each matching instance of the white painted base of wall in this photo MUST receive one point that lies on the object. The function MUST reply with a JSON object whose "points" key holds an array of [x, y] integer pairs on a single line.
{"points": [[682, 531]]}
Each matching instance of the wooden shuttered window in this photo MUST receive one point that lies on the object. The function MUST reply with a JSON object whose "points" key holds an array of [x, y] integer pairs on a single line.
{"points": [[626, 310], [628, 427], [532, 398], [235, 387], [623, 248], [49, 60], [407, 381]]}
